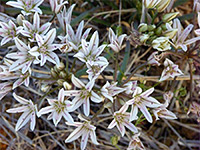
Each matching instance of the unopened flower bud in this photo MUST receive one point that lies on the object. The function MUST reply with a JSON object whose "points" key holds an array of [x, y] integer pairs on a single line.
{"points": [[158, 31], [20, 19], [169, 16], [151, 27], [61, 66], [60, 82], [142, 27], [162, 5], [62, 74], [45, 87], [144, 38], [163, 26], [53, 73], [67, 86], [170, 33]]}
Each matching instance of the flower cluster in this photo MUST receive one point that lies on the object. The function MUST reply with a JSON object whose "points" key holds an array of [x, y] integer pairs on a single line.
{"points": [[71, 63]]}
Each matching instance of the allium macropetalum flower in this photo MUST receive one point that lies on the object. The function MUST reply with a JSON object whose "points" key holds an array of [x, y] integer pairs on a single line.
{"points": [[57, 5], [171, 70], [142, 101], [5, 88], [154, 59], [83, 96], [96, 67], [29, 112], [136, 143], [196, 5], [197, 31], [24, 59], [72, 41], [84, 129], [45, 48], [115, 41], [90, 50], [30, 30], [64, 17], [162, 112], [8, 31], [161, 44], [110, 90], [121, 120], [27, 6], [179, 40], [130, 87], [5, 74], [58, 108]]}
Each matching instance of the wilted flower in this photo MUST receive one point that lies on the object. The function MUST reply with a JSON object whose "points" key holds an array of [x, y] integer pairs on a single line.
{"points": [[130, 87], [24, 59], [72, 41], [30, 30], [45, 48], [96, 67], [29, 112], [8, 31], [161, 43], [161, 111], [57, 5], [121, 120], [64, 17], [142, 101], [154, 59], [58, 108], [195, 109], [171, 70], [179, 40], [85, 130], [136, 143], [116, 42], [110, 90], [83, 96], [28, 6], [90, 50]]}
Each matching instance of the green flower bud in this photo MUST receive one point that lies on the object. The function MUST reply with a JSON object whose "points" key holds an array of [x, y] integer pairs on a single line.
{"points": [[169, 16], [151, 27], [60, 82], [158, 31], [53, 73], [142, 27]]}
